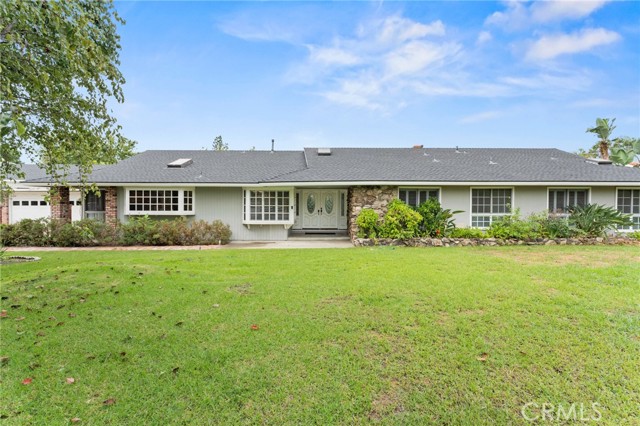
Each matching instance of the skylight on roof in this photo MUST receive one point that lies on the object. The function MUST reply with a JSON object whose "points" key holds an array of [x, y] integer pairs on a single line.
{"points": [[180, 163]]}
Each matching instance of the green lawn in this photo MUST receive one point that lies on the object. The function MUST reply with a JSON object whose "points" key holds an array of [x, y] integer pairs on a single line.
{"points": [[392, 336]]}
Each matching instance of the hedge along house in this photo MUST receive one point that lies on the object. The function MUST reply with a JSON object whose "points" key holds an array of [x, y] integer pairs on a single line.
{"points": [[271, 195]]}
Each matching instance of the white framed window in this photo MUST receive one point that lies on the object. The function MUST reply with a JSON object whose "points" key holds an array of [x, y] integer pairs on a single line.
{"points": [[160, 201], [416, 196], [560, 200], [628, 202], [487, 204], [268, 206]]}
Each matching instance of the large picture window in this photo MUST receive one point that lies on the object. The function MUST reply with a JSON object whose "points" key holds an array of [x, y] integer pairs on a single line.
{"points": [[160, 202], [561, 200], [416, 196], [628, 202], [487, 204], [267, 207]]}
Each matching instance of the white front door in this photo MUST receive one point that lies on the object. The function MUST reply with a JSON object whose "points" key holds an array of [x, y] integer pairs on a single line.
{"points": [[320, 209]]}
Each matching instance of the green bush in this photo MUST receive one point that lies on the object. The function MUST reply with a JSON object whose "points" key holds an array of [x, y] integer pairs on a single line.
{"points": [[142, 231], [202, 232], [368, 223], [467, 233], [514, 227], [635, 235], [401, 221], [27, 232], [595, 219], [436, 221], [555, 226]]}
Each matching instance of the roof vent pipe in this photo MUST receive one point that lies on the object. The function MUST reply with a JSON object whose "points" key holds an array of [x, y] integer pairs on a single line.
{"points": [[273, 145]]}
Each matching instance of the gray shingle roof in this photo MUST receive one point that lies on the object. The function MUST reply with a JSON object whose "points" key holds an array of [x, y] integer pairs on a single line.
{"points": [[207, 167], [451, 165], [363, 165]]}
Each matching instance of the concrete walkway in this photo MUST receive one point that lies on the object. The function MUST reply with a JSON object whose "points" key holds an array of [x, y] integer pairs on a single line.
{"points": [[297, 243]]}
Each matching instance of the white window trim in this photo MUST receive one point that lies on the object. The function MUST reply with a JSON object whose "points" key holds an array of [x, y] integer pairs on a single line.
{"points": [[179, 212], [425, 188], [636, 188], [246, 207], [491, 215], [570, 188]]}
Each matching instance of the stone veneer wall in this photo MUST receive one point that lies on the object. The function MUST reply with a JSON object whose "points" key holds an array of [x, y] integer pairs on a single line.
{"points": [[60, 207], [373, 197], [111, 205]]}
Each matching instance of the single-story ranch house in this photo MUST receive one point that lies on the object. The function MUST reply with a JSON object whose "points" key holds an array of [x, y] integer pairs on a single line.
{"points": [[270, 195]]}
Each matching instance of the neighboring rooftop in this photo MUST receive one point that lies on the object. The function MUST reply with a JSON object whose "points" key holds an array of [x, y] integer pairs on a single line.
{"points": [[361, 165]]}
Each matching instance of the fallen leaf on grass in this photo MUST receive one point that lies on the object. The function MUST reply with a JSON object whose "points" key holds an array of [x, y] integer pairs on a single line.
{"points": [[27, 381], [72, 315], [70, 380], [483, 357], [175, 370], [20, 319], [40, 334], [179, 323], [75, 420], [109, 401], [3, 314], [255, 327], [4, 360]]}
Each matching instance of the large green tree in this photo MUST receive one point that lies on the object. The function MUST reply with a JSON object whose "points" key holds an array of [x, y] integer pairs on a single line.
{"points": [[58, 74]]}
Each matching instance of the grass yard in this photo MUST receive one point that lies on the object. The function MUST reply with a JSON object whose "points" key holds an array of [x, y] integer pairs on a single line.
{"points": [[391, 336]]}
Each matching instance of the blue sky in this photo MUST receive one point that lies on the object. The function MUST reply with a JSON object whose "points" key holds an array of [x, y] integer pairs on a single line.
{"points": [[378, 74]]}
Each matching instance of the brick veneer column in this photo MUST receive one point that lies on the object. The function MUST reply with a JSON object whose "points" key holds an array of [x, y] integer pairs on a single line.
{"points": [[60, 208], [4, 210], [373, 197], [111, 205]]}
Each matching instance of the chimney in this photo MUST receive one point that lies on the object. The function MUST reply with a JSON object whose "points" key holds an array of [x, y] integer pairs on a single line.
{"points": [[273, 145], [418, 146]]}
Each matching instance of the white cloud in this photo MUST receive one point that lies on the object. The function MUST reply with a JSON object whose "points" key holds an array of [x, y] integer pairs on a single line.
{"points": [[416, 56], [479, 117], [551, 46], [547, 11], [332, 56], [396, 29], [484, 37], [520, 15]]}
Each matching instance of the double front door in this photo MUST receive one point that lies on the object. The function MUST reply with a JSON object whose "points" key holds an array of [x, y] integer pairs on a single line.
{"points": [[320, 209]]}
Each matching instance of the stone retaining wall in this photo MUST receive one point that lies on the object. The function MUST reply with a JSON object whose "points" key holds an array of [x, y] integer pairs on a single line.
{"points": [[457, 242]]}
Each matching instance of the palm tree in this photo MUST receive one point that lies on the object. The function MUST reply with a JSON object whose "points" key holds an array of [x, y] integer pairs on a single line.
{"points": [[604, 128]]}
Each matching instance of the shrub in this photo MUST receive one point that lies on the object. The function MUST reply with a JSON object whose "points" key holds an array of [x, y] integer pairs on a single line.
{"points": [[368, 223], [65, 234], [140, 231], [401, 221], [27, 232], [596, 219], [514, 227], [467, 233], [436, 221], [202, 232], [555, 226], [635, 235]]}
